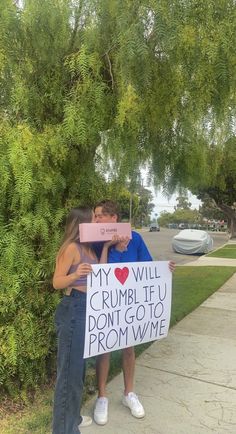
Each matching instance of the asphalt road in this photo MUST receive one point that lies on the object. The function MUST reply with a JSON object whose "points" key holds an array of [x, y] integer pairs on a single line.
{"points": [[159, 244]]}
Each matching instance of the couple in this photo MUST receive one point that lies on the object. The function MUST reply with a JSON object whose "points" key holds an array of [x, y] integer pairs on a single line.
{"points": [[73, 264]]}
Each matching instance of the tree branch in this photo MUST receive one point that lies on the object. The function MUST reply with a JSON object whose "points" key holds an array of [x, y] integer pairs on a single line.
{"points": [[76, 26], [110, 69]]}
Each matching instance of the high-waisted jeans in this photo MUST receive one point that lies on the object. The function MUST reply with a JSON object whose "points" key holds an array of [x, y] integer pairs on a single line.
{"points": [[70, 327]]}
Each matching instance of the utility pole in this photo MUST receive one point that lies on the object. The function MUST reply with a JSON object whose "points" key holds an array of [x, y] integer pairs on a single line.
{"points": [[130, 209]]}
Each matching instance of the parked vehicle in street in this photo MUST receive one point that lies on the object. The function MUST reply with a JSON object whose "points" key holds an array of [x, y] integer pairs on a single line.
{"points": [[183, 226], [192, 241], [172, 225], [154, 227]]}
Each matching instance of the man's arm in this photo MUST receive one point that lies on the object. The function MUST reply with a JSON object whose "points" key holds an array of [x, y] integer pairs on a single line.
{"points": [[136, 251], [143, 252]]}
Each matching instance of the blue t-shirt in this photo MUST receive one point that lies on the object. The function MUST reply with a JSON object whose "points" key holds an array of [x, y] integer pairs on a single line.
{"points": [[137, 251]]}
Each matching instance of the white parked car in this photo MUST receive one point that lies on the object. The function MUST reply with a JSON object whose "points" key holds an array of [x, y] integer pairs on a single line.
{"points": [[192, 241]]}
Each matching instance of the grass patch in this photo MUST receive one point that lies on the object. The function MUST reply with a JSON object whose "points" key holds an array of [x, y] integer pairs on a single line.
{"points": [[228, 251], [34, 419], [191, 286]]}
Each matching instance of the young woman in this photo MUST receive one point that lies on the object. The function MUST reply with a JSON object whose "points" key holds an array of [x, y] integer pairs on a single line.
{"points": [[73, 264]]}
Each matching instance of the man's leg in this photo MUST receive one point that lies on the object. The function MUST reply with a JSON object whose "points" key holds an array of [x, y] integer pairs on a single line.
{"points": [[102, 370], [130, 399], [101, 405], [128, 365]]}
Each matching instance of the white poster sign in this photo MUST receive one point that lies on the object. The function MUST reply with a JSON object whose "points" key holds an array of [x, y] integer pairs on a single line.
{"points": [[127, 304]]}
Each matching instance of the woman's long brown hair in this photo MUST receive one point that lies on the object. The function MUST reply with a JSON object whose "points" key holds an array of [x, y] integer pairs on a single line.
{"points": [[74, 218]]}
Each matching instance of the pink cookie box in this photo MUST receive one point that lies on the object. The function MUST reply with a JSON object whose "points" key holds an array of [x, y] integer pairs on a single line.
{"points": [[91, 232]]}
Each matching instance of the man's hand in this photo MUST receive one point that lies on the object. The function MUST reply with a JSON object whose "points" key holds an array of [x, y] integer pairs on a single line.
{"points": [[172, 266], [115, 239], [122, 245], [119, 242]]}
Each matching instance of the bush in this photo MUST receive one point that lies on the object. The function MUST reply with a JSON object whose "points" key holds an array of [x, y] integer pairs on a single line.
{"points": [[35, 196]]}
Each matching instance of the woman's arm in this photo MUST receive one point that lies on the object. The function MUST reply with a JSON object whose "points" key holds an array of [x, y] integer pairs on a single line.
{"points": [[120, 244], [60, 278], [104, 255]]}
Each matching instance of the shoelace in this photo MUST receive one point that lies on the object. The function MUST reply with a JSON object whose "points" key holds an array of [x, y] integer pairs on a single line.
{"points": [[134, 398], [102, 404]]}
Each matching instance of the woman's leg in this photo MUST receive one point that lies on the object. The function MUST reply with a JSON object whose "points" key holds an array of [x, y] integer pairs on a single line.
{"points": [[70, 323]]}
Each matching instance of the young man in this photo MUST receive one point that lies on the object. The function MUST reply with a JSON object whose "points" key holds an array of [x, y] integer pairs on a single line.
{"points": [[134, 250]]}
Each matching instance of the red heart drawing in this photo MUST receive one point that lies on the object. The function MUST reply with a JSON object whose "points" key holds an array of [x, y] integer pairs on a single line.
{"points": [[122, 274]]}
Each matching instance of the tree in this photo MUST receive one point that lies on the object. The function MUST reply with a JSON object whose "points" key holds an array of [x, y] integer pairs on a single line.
{"points": [[209, 210], [51, 112], [137, 203], [128, 202], [222, 188], [145, 207], [183, 203], [184, 109], [139, 78], [179, 216]]}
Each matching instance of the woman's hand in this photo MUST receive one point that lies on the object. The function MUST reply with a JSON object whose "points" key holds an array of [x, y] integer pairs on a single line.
{"points": [[120, 244], [172, 266], [83, 270]]}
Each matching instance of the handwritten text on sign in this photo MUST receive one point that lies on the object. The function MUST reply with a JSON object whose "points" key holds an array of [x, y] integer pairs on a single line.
{"points": [[127, 304]]}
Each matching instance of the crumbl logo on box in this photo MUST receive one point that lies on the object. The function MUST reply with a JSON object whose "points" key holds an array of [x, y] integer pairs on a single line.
{"points": [[104, 231]]}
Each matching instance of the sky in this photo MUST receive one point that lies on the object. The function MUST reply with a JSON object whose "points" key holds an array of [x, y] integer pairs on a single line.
{"points": [[162, 203]]}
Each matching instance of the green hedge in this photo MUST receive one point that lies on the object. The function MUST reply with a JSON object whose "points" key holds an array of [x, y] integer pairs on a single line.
{"points": [[33, 188]]}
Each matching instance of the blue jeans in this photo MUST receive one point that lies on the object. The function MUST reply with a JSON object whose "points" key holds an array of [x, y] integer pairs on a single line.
{"points": [[70, 327]]}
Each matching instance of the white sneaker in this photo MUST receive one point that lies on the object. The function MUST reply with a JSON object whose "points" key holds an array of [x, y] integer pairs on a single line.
{"points": [[86, 421], [101, 411], [131, 400]]}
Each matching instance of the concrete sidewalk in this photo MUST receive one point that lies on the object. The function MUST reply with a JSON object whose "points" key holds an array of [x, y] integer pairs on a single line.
{"points": [[186, 382], [209, 260]]}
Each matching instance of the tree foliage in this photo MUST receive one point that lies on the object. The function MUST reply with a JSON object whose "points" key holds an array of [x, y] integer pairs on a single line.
{"points": [[208, 209], [221, 190], [145, 208], [51, 112], [184, 215], [199, 148], [183, 203]]}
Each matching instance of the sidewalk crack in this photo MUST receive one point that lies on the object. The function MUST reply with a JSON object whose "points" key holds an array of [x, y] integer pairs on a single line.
{"points": [[177, 374]]}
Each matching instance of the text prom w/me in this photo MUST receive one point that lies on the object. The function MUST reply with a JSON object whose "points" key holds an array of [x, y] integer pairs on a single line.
{"points": [[127, 306]]}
